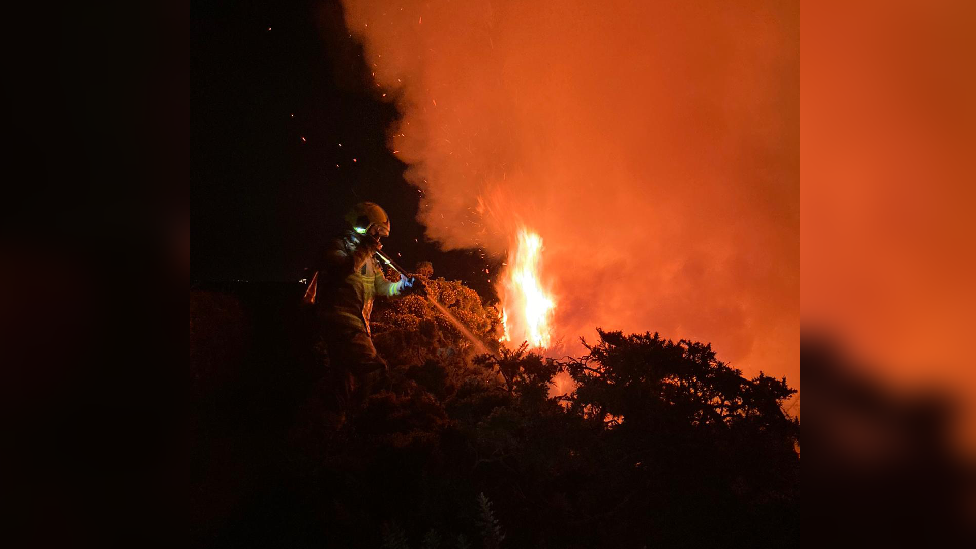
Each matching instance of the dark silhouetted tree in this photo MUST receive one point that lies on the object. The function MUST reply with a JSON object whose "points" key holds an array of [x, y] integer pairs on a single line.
{"points": [[660, 444]]}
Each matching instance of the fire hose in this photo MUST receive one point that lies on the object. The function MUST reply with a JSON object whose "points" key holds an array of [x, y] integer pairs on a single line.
{"points": [[437, 305], [393, 265]]}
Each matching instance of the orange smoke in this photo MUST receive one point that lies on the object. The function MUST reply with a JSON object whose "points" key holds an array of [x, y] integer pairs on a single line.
{"points": [[653, 147], [522, 292]]}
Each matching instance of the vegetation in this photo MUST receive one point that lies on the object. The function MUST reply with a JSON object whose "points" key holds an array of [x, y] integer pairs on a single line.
{"points": [[660, 445], [417, 340]]}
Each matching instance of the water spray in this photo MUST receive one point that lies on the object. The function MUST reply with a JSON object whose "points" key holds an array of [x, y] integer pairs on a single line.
{"points": [[437, 305]]}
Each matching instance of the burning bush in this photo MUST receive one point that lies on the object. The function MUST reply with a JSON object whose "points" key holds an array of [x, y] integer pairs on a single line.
{"points": [[660, 444], [410, 332]]}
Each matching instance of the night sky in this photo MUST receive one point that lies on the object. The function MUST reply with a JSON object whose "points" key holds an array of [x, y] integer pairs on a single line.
{"points": [[270, 109]]}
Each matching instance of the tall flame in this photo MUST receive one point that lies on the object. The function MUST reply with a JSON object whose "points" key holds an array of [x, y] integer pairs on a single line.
{"points": [[527, 308]]}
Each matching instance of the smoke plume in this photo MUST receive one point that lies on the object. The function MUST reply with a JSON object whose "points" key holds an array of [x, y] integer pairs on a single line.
{"points": [[653, 146]]}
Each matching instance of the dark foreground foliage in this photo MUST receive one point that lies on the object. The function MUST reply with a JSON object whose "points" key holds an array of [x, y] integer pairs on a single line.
{"points": [[661, 445]]}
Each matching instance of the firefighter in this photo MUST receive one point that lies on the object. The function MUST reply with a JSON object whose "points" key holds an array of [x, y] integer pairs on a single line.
{"points": [[347, 278]]}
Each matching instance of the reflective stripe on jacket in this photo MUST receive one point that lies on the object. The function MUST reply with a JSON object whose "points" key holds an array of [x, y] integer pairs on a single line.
{"points": [[347, 281]]}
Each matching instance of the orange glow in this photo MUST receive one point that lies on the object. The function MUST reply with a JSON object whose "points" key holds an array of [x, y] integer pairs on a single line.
{"points": [[653, 146], [522, 293]]}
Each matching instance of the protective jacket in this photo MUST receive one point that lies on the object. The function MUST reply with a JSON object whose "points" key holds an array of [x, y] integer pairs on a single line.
{"points": [[346, 282]]}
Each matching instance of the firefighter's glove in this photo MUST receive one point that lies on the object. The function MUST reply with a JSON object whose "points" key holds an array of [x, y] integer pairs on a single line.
{"points": [[414, 285]]}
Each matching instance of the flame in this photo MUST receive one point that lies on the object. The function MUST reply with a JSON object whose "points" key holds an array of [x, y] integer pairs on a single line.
{"points": [[523, 295], [505, 335]]}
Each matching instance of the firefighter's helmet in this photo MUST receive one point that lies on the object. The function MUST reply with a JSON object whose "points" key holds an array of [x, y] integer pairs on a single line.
{"points": [[365, 215]]}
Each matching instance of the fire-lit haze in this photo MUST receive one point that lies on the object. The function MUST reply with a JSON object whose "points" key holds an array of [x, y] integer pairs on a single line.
{"points": [[648, 149], [889, 130]]}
